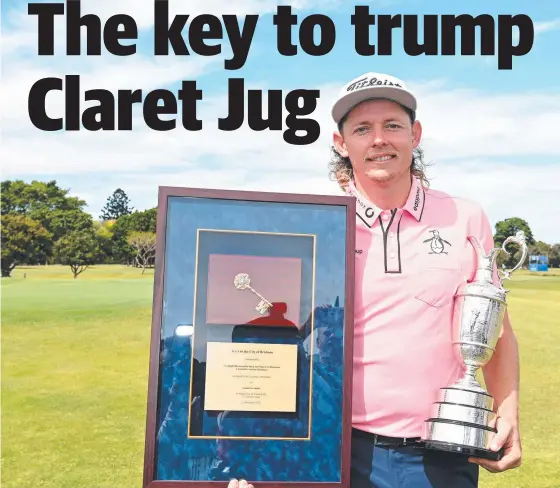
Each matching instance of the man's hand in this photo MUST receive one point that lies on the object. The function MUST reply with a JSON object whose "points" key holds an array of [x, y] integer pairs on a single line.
{"points": [[508, 437], [239, 484]]}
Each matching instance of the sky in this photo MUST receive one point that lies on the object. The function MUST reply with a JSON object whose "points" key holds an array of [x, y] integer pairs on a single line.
{"points": [[488, 134]]}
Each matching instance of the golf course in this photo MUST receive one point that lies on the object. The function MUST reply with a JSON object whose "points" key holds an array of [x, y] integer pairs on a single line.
{"points": [[75, 356]]}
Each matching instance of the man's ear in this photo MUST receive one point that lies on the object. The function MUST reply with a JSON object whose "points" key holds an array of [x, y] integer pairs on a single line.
{"points": [[416, 133], [339, 144]]}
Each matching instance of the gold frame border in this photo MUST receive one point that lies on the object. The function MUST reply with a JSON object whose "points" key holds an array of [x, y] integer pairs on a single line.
{"points": [[308, 438]]}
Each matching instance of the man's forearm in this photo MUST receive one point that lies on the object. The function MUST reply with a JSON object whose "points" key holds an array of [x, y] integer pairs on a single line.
{"points": [[501, 375]]}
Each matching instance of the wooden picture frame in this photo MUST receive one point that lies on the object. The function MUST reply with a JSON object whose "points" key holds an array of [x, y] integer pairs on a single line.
{"points": [[186, 445]]}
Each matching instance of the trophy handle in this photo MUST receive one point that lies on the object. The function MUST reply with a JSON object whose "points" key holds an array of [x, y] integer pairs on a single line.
{"points": [[520, 239]]}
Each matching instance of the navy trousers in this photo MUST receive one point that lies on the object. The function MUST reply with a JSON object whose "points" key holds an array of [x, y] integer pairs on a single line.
{"points": [[386, 466]]}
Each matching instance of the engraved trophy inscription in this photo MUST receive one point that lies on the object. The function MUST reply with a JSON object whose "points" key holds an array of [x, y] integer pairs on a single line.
{"points": [[461, 419]]}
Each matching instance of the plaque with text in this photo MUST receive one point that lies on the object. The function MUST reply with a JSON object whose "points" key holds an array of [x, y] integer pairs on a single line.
{"points": [[251, 377], [251, 349]]}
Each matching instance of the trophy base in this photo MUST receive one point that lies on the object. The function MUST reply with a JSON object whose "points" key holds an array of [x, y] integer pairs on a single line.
{"points": [[466, 450], [460, 437]]}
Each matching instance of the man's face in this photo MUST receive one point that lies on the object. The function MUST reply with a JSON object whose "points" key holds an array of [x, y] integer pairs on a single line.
{"points": [[378, 138]]}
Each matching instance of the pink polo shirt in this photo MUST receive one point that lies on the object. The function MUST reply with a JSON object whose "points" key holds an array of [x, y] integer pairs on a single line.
{"points": [[409, 264]]}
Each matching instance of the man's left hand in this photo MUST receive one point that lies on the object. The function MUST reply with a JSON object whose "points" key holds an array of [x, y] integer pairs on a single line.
{"points": [[508, 438]]}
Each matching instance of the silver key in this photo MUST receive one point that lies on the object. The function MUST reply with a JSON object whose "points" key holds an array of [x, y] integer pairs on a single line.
{"points": [[242, 281]]}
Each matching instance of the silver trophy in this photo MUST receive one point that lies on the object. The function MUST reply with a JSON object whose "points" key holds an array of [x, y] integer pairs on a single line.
{"points": [[461, 420]]}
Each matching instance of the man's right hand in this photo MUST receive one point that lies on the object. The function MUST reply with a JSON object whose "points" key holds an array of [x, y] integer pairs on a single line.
{"points": [[239, 484]]}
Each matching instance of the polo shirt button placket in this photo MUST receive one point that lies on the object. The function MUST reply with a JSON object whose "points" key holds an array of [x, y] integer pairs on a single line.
{"points": [[392, 264]]}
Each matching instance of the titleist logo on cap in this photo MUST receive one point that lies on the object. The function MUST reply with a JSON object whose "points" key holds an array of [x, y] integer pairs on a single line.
{"points": [[356, 85]]}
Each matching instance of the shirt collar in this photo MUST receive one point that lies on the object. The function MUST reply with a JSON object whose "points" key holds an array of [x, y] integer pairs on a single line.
{"points": [[368, 212], [416, 199], [365, 210]]}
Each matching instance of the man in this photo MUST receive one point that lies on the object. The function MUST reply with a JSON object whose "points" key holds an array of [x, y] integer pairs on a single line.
{"points": [[412, 254]]}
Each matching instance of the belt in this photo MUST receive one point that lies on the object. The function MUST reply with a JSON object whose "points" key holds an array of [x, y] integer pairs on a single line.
{"points": [[377, 439]]}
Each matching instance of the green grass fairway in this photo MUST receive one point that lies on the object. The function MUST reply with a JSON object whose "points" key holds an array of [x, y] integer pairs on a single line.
{"points": [[75, 366]]}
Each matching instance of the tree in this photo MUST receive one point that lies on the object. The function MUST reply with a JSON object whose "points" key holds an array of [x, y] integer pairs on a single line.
{"points": [[138, 221], [78, 249], [554, 256], [509, 227], [47, 203], [104, 232], [539, 248], [38, 196], [506, 228], [117, 205], [144, 244], [60, 222], [104, 228], [24, 241]]}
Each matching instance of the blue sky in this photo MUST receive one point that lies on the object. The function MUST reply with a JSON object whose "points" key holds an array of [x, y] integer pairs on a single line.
{"points": [[489, 134]]}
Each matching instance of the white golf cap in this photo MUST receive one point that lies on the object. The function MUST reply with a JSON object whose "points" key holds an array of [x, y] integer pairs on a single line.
{"points": [[369, 86]]}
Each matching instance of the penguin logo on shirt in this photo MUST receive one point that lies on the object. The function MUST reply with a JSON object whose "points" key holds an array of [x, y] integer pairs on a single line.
{"points": [[437, 244]]}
